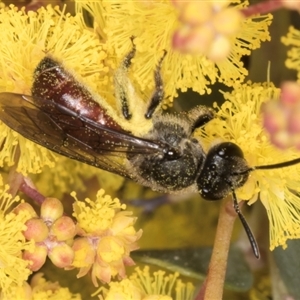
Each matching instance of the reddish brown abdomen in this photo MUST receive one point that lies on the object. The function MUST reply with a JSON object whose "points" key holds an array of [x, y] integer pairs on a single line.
{"points": [[53, 82]]}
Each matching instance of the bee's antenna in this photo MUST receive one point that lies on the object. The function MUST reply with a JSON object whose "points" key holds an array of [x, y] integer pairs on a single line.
{"points": [[279, 165], [269, 167], [249, 233]]}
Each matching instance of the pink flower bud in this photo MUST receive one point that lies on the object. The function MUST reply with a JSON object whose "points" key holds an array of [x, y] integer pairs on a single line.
{"points": [[294, 122], [291, 4], [228, 21], [178, 3], [220, 49], [281, 139], [197, 40], [196, 12], [61, 255], [36, 230], [37, 257], [51, 209], [25, 207], [63, 228], [274, 117], [290, 93]]}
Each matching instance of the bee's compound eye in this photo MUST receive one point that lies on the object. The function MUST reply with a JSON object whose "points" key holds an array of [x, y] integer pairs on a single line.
{"points": [[229, 150]]}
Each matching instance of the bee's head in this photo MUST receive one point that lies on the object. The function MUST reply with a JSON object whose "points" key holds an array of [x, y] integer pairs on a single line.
{"points": [[224, 169]]}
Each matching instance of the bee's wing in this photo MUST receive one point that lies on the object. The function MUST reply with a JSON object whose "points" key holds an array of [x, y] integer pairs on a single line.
{"points": [[63, 131]]}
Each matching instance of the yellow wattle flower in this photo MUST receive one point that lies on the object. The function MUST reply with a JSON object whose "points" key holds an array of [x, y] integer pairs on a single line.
{"points": [[239, 121], [293, 39], [13, 243], [153, 24], [37, 33], [107, 237], [46, 290]]}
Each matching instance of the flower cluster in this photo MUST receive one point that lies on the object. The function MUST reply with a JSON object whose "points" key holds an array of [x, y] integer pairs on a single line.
{"points": [[153, 24], [107, 238], [40, 289], [37, 33], [213, 37], [43, 289], [207, 28], [282, 118], [51, 233], [274, 187]]}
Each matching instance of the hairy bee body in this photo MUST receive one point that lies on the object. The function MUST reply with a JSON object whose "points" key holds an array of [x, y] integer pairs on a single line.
{"points": [[63, 116]]}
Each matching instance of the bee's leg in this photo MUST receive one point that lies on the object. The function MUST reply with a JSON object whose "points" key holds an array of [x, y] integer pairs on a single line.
{"points": [[123, 85], [158, 94], [199, 116]]}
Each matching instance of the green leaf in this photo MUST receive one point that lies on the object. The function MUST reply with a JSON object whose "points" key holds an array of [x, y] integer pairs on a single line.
{"points": [[193, 263], [288, 263]]}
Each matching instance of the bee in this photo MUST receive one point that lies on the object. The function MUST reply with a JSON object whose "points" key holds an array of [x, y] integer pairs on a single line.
{"points": [[62, 115]]}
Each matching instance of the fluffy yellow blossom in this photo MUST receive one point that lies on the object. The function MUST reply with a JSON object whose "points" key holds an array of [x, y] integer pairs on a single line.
{"points": [[142, 285], [239, 121], [14, 270], [107, 237], [25, 39], [153, 24], [46, 290], [69, 173], [293, 60], [40, 289]]}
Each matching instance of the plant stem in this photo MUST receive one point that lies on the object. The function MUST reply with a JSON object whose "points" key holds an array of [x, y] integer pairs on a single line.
{"points": [[262, 8], [213, 286], [28, 189]]}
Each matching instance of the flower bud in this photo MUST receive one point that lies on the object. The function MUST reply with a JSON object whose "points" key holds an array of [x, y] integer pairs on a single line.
{"points": [[51, 209], [228, 21], [36, 230], [281, 139], [37, 257], [274, 117], [219, 49], [290, 93], [291, 4], [25, 207], [63, 228], [196, 12], [197, 40], [294, 122], [61, 255]]}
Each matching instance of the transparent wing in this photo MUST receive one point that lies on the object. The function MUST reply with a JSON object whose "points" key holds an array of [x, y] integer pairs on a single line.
{"points": [[65, 132]]}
